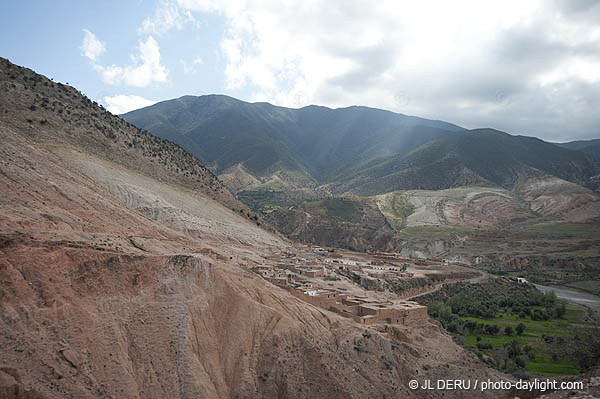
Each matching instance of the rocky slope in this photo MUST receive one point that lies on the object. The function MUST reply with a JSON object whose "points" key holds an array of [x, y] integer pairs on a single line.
{"points": [[123, 274]]}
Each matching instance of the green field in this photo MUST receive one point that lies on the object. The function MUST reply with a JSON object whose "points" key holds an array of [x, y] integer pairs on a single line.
{"points": [[341, 208], [269, 187], [542, 364], [395, 208], [257, 197], [517, 328], [568, 229], [268, 208], [525, 215], [433, 231]]}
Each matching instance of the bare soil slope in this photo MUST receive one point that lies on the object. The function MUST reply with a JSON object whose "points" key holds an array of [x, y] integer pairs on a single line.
{"points": [[122, 274]]}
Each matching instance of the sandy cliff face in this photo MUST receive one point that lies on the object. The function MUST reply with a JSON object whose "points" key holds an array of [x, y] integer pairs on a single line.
{"points": [[122, 274]]}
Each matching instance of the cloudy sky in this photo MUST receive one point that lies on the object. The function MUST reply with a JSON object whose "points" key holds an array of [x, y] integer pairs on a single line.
{"points": [[525, 67]]}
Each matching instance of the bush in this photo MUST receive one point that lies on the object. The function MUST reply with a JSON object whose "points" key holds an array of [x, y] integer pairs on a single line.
{"points": [[492, 329], [453, 326], [548, 338], [484, 345], [539, 315], [520, 362], [439, 310], [560, 311], [513, 349]]}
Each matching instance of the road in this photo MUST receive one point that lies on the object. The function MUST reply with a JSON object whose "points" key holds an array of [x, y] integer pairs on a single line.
{"points": [[580, 298], [478, 279]]}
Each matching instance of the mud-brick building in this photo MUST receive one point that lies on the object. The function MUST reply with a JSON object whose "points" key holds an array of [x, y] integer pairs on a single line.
{"points": [[309, 271], [398, 313], [362, 309], [318, 297]]}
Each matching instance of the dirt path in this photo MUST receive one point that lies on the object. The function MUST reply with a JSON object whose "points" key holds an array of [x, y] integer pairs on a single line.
{"points": [[475, 280]]}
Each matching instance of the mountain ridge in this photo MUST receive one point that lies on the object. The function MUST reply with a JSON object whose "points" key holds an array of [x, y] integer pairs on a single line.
{"points": [[588, 146], [360, 155], [313, 141], [318, 146], [478, 156]]}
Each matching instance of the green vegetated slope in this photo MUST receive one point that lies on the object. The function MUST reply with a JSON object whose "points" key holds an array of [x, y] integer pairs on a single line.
{"points": [[517, 328], [314, 141], [482, 156], [356, 150], [588, 146], [569, 229]]}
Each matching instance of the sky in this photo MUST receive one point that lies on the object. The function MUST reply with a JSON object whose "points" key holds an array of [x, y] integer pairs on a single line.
{"points": [[524, 67]]}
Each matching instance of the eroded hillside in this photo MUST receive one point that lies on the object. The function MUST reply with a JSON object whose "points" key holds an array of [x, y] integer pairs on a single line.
{"points": [[369, 179], [441, 223], [123, 274]]}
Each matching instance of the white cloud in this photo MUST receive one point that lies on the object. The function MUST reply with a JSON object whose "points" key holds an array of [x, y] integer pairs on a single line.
{"points": [[190, 67], [450, 60], [146, 69], [283, 49], [123, 103], [91, 47], [167, 16], [584, 69]]}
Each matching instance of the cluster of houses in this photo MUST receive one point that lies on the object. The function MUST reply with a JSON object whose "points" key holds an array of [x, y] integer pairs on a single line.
{"points": [[363, 310], [373, 272], [296, 275]]}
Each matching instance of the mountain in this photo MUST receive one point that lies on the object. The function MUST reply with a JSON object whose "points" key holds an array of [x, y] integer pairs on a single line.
{"points": [[420, 203], [304, 147], [355, 150], [448, 222], [588, 146], [369, 179], [475, 157], [124, 273]]}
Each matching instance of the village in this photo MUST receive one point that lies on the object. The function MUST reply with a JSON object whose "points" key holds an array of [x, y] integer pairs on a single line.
{"points": [[321, 277]]}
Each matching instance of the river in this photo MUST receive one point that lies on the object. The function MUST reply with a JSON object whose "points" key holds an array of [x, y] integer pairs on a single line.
{"points": [[580, 298]]}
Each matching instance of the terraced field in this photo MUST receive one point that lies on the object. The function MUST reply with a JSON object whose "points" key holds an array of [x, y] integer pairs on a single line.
{"points": [[541, 362], [516, 327]]}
